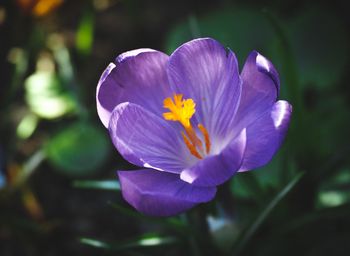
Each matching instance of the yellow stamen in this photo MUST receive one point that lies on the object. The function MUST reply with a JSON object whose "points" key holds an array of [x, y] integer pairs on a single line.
{"points": [[206, 137], [190, 146], [182, 110], [191, 134]]}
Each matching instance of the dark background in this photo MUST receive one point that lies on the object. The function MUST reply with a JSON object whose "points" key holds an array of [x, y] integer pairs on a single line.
{"points": [[53, 148]]}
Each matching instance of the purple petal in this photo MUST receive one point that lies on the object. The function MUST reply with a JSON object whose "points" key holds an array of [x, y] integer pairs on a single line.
{"points": [[259, 90], [161, 194], [215, 170], [265, 136], [205, 71], [137, 76], [147, 140]]}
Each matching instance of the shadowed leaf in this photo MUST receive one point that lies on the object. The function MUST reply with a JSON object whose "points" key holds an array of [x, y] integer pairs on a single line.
{"points": [[97, 184], [78, 150], [246, 236]]}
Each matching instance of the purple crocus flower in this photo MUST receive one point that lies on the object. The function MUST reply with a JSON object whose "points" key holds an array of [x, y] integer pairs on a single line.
{"points": [[190, 120]]}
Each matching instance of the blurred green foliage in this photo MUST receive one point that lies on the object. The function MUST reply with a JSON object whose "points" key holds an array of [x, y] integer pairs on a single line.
{"points": [[79, 149], [58, 188], [44, 96]]}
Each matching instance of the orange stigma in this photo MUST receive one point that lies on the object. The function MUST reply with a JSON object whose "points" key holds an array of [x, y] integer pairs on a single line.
{"points": [[181, 110]]}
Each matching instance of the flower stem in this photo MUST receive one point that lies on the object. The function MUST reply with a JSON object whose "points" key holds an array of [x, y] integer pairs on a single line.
{"points": [[200, 239]]}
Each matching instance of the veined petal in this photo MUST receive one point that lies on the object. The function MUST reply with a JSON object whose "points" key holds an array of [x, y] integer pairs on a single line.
{"points": [[147, 140], [137, 76], [161, 194], [259, 89], [215, 170], [265, 135], [206, 72]]}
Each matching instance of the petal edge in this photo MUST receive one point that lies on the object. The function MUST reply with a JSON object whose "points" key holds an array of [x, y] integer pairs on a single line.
{"points": [[137, 76], [159, 193], [265, 136], [217, 169], [147, 140]]}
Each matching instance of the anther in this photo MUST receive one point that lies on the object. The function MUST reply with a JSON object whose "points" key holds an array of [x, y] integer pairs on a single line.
{"points": [[190, 146], [182, 110], [206, 137]]}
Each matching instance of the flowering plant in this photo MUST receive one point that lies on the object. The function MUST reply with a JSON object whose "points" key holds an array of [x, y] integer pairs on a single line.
{"points": [[190, 120]]}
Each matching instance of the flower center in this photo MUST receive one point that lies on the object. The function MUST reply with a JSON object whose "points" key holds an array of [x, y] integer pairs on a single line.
{"points": [[181, 110]]}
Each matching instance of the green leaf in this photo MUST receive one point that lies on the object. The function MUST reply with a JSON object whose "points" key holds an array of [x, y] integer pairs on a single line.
{"points": [[332, 198], [27, 126], [335, 190], [85, 33], [264, 214], [320, 43], [46, 97], [246, 185], [78, 150], [171, 222], [148, 240], [151, 240], [19, 58], [97, 184], [241, 29], [256, 185], [95, 243], [30, 166]]}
